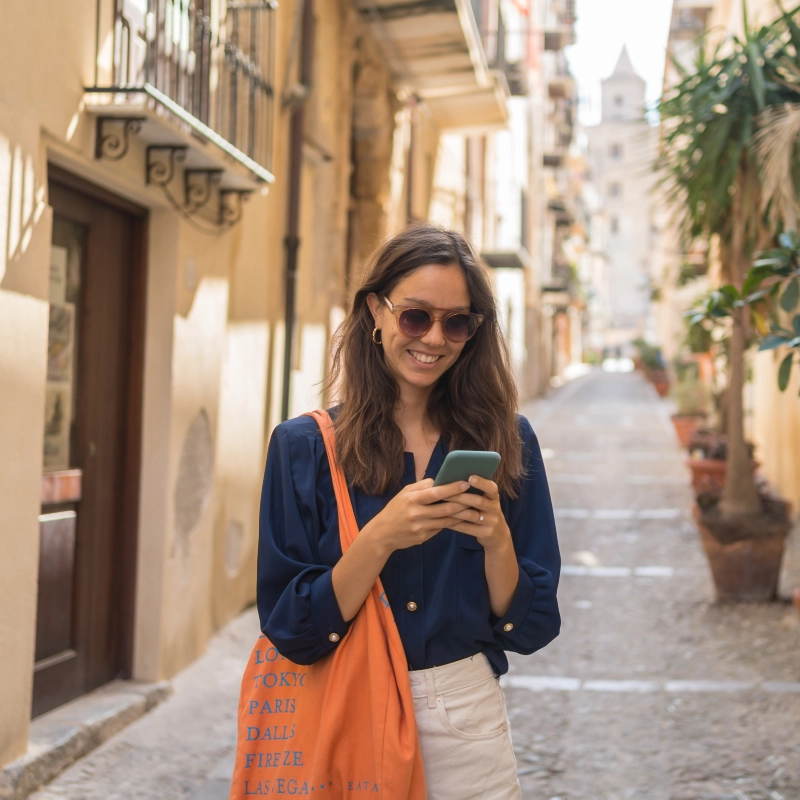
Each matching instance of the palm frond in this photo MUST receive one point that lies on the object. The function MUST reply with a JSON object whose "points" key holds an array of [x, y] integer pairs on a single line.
{"points": [[778, 149]]}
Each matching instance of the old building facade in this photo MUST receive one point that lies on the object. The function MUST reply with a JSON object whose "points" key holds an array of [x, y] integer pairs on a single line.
{"points": [[191, 192], [168, 169]]}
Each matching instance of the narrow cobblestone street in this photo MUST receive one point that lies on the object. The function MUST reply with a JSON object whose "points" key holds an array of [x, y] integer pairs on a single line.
{"points": [[652, 691]]}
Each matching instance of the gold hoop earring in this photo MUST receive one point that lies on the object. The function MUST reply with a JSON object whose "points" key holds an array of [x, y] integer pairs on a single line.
{"points": [[375, 339]]}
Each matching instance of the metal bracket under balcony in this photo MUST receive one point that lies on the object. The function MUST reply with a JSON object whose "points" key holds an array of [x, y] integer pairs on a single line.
{"points": [[193, 87]]}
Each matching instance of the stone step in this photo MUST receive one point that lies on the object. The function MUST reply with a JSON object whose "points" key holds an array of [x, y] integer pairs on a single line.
{"points": [[62, 736]]}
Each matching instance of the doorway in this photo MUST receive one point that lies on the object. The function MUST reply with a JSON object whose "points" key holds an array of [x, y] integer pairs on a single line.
{"points": [[90, 485]]}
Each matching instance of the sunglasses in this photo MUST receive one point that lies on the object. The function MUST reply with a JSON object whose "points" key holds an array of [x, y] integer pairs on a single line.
{"points": [[458, 326]]}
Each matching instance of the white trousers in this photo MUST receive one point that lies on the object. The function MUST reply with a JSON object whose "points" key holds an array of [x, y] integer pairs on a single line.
{"points": [[464, 732]]}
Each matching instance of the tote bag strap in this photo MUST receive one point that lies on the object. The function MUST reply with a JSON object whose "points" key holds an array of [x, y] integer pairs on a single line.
{"points": [[348, 527]]}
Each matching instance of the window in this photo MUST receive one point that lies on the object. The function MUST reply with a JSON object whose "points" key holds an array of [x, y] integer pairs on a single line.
{"points": [[614, 224], [615, 151], [614, 189], [619, 100]]}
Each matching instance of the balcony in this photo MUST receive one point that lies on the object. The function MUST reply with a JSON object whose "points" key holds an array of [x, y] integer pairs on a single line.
{"points": [[435, 52], [194, 82], [556, 39]]}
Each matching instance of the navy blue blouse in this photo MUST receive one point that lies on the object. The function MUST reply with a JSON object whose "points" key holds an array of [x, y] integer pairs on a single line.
{"points": [[443, 579]]}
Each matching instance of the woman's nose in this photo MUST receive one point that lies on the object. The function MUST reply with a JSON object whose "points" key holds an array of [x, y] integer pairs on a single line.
{"points": [[435, 336]]}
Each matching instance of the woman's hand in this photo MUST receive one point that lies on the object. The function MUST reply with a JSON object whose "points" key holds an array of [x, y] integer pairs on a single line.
{"points": [[482, 516], [417, 513]]}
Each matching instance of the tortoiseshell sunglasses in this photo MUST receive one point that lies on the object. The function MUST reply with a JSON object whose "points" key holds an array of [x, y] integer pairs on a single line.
{"points": [[458, 326]]}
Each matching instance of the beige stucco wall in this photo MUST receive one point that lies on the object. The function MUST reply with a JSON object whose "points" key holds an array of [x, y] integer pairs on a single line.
{"points": [[25, 227], [776, 426], [213, 328], [214, 317]]}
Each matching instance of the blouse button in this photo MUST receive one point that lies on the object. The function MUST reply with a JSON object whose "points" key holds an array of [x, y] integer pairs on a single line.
{"points": [[334, 637], [411, 606], [509, 626]]}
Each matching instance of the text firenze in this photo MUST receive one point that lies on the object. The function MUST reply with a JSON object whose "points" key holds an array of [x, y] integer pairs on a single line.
{"points": [[282, 759]]}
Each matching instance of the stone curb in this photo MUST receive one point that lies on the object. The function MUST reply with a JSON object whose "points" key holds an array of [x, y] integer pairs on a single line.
{"points": [[62, 736]]}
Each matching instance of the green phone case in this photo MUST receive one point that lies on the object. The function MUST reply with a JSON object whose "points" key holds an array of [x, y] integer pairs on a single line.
{"points": [[460, 464]]}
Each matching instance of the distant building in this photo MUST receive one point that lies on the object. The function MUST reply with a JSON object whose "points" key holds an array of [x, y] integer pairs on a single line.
{"points": [[621, 151]]}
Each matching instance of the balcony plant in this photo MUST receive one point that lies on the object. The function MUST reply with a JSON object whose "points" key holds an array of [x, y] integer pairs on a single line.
{"points": [[710, 172]]}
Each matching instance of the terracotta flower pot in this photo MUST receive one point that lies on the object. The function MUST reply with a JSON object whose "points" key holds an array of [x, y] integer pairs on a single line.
{"points": [[659, 379], [686, 426], [744, 571], [708, 474]]}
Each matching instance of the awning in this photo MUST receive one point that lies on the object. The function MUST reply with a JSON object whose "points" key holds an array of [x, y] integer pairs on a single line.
{"points": [[434, 51]]}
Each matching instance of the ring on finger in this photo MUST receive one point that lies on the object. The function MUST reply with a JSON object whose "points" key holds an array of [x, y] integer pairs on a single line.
{"points": [[480, 518]]}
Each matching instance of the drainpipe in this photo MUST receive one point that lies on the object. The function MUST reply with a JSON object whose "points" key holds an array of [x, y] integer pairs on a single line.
{"points": [[412, 105], [292, 239]]}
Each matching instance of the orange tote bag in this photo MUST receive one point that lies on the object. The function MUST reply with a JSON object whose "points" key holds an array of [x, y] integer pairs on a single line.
{"points": [[343, 727]]}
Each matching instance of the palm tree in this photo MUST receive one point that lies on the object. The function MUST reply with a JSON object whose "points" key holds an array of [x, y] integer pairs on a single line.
{"points": [[709, 167]]}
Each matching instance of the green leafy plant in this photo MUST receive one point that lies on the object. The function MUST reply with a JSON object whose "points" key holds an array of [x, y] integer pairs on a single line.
{"points": [[698, 337], [710, 173], [692, 397], [776, 275], [649, 355]]}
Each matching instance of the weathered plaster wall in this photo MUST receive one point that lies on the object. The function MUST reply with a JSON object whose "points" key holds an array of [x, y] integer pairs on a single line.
{"points": [[25, 227]]}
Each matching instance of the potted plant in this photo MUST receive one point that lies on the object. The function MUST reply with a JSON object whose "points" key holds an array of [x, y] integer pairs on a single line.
{"points": [[692, 399], [708, 159], [708, 461], [651, 362]]}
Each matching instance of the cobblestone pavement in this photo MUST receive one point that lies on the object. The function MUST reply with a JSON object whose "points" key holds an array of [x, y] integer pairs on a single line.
{"points": [[652, 691]]}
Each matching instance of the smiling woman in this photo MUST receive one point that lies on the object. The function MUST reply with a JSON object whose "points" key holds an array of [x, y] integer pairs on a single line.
{"points": [[420, 368], [427, 274]]}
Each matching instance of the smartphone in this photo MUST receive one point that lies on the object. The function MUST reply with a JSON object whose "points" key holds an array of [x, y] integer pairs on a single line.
{"points": [[459, 465]]}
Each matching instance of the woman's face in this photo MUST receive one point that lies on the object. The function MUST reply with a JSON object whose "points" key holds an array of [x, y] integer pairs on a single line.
{"points": [[420, 362]]}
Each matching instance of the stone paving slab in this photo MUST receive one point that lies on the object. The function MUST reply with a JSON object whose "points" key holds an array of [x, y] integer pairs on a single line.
{"points": [[183, 748], [653, 691], [59, 738]]}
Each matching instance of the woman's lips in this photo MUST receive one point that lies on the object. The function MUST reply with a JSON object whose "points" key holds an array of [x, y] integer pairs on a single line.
{"points": [[424, 359]]}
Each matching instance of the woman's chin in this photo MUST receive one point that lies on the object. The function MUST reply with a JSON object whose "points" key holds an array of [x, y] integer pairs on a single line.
{"points": [[422, 381]]}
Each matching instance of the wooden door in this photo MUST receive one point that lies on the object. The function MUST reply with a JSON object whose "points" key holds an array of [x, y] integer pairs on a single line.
{"points": [[92, 442]]}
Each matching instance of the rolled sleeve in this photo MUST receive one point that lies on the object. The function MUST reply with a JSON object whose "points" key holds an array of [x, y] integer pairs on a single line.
{"points": [[518, 610], [325, 614], [533, 615], [297, 607]]}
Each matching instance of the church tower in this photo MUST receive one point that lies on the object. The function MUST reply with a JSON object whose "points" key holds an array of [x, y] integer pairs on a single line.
{"points": [[621, 152], [623, 92]]}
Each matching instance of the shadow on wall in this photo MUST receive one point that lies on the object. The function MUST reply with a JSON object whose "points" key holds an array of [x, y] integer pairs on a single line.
{"points": [[22, 205]]}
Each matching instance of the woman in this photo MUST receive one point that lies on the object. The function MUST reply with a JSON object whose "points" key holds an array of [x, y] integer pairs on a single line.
{"points": [[420, 368]]}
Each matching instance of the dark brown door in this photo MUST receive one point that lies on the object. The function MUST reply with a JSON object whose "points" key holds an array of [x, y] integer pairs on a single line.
{"points": [[92, 443]]}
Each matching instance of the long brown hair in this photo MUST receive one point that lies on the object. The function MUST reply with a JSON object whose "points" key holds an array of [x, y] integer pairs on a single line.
{"points": [[473, 404]]}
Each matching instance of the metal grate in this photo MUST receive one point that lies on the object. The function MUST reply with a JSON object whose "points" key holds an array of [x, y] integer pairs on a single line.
{"points": [[212, 58]]}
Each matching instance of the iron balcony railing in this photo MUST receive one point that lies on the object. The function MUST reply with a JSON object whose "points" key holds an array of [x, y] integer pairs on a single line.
{"points": [[208, 61]]}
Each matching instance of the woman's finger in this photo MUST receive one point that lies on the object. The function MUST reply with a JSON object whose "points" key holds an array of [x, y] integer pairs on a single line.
{"points": [[436, 494], [469, 528], [481, 502], [489, 488], [474, 516], [449, 508]]}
